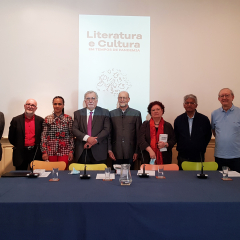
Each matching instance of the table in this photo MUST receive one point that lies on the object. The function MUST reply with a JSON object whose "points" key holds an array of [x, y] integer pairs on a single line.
{"points": [[178, 207]]}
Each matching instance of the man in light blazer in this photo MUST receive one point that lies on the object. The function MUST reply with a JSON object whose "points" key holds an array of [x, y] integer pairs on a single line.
{"points": [[91, 128], [126, 122], [25, 136]]}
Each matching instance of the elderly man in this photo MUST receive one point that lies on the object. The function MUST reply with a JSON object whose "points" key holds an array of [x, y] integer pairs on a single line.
{"points": [[91, 128], [126, 122], [226, 129], [2, 124], [25, 136], [193, 132]]}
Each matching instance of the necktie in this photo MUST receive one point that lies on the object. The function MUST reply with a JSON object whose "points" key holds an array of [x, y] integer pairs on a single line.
{"points": [[89, 126]]}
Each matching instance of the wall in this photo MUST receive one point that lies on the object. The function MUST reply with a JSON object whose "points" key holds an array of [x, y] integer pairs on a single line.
{"points": [[194, 49]]}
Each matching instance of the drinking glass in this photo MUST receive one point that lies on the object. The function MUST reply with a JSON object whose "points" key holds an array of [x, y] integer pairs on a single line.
{"points": [[160, 173], [107, 173], [225, 172], [55, 174]]}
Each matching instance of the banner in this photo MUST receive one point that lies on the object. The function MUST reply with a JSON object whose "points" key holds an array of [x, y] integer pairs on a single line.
{"points": [[114, 56]]}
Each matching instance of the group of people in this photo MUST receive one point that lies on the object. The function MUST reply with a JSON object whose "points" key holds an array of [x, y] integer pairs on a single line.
{"points": [[95, 133]]}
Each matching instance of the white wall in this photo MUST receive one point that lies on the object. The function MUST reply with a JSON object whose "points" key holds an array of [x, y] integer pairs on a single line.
{"points": [[194, 49]]}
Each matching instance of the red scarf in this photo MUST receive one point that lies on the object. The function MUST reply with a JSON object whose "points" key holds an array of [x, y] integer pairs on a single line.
{"points": [[155, 139]]}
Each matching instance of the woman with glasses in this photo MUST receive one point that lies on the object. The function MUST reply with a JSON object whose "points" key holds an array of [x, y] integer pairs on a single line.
{"points": [[57, 142]]}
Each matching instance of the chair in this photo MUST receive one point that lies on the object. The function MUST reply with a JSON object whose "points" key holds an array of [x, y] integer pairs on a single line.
{"points": [[197, 166], [90, 167], [167, 167], [48, 166]]}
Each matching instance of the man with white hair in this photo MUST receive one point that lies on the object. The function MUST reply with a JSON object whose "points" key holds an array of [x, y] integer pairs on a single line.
{"points": [[226, 129], [193, 132], [91, 128], [25, 136]]}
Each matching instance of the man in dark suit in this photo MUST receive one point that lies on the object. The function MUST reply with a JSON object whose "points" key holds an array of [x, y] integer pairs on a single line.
{"points": [[192, 131], [126, 122], [91, 128], [2, 124], [25, 136]]}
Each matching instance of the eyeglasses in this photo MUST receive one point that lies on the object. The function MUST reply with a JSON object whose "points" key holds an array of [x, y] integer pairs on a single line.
{"points": [[122, 98], [30, 105], [88, 99], [191, 103], [225, 95]]}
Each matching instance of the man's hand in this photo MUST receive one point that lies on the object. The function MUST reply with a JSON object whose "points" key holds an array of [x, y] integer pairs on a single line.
{"points": [[111, 155], [92, 140], [45, 156], [87, 145], [135, 155]]}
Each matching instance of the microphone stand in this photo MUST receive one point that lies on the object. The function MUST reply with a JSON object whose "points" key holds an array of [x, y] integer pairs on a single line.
{"points": [[85, 176], [144, 174], [31, 174], [202, 175]]}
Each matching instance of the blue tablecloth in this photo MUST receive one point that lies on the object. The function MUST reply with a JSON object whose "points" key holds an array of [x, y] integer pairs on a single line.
{"points": [[178, 207]]}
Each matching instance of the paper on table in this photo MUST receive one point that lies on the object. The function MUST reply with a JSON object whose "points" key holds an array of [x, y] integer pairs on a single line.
{"points": [[102, 176], [151, 173], [232, 174], [39, 171], [45, 174]]}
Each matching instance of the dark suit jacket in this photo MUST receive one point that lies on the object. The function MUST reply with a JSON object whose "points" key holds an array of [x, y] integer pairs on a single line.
{"points": [[190, 147], [144, 141], [100, 128], [125, 130], [2, 124], [16, 137]]}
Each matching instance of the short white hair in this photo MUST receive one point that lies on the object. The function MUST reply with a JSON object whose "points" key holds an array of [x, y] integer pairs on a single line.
{"points": [[228, 89]]}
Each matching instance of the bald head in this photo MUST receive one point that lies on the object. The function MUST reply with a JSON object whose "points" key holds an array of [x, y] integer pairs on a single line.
{"points": [[32, 101], [124, 93]]}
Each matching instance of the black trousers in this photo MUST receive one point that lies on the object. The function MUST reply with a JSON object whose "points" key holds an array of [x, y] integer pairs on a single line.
{"points": [[0, 151], [87, 153], [125, 161], [182, 159], [28, 157], [233, 164]]}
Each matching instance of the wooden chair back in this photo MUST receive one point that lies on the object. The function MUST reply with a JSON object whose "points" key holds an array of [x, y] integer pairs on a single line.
{"points": [[48, 166], [90, 167], [167, 167]]}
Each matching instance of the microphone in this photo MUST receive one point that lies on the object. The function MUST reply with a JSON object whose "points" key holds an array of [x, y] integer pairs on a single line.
{"points": [[144, 174], [85, 176], [31, 174], [202, 175]]}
